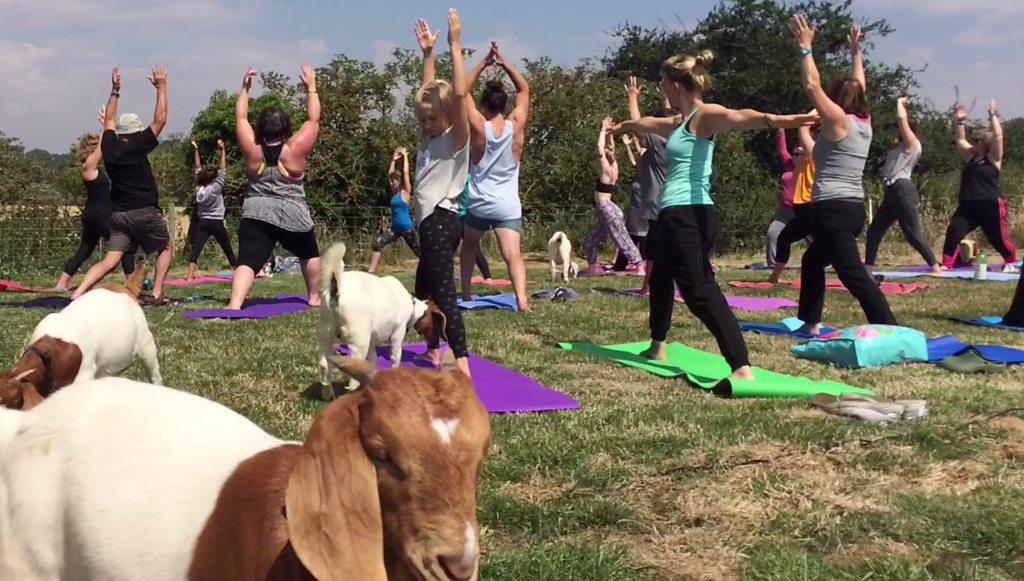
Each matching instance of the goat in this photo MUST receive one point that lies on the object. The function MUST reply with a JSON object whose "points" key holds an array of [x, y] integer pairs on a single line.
{"points": [[97, 335], [366, 311], [120, 480], [560, 256]]}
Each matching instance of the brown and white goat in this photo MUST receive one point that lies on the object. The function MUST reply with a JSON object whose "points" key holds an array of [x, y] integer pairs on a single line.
{"points": [[122, 480]]}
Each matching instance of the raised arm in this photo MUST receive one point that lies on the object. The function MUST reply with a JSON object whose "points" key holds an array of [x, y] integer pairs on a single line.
{"points": [[244, 133], [394, 161], [110, 111], [426, 40], [91, 164], [223, 164], [406, 180], [159, 80], [629, 150], [521, 112], [633, 99], [301, 143], [781, 148], [460, 109], [197, 163], [995, 150], [855, 56], [834, 121], [714, 119], [663, 126], [475, 118], [903, 123], [963, 147]]}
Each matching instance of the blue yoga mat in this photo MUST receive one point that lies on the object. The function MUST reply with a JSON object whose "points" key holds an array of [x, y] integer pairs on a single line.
{"points": [[506, 301], [938, 347], [996, 322]]}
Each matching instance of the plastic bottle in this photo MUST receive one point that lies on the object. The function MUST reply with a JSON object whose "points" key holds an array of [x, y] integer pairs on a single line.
{"points": [[981, 267]]}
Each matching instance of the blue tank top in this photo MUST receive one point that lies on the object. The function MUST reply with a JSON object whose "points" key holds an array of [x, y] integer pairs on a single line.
{"points": [[687, 168], [400, 220]]}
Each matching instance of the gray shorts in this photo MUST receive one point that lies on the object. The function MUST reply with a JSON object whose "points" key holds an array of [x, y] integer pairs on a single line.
{"points": [[140, 228], [485, 224]]}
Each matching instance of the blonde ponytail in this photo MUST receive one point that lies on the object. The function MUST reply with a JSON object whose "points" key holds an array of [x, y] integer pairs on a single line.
{"points": [[690, 71]]}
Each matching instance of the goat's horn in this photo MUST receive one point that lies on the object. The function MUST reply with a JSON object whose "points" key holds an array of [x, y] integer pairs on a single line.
{"points": [[361, 370], [23, 374]]}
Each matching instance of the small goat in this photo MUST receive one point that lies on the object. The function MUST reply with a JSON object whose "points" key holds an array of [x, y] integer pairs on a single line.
{"points": [[366, 311], [119, 480], [560, 255], [97, 335]]}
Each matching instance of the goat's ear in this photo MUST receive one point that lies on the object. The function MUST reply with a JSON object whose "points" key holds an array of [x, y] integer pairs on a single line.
{"points": [[439, 318], [30, 398], [361, 370], [23, 374], [332, 505]]}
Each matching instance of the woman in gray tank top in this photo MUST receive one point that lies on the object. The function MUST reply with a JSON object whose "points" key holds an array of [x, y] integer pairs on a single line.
{"points": [[899, 202], [275, 209], [837, 200]]}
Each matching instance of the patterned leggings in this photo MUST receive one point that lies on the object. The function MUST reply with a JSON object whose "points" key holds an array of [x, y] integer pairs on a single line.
{"points": [[610, 223], [391, 235], [440, 234]]}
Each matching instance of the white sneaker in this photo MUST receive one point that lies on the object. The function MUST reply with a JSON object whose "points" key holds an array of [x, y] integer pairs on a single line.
{"points": [[1011, 268]]}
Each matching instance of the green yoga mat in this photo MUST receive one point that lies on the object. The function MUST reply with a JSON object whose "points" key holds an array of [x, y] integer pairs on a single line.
{"points": [[706, 370]]}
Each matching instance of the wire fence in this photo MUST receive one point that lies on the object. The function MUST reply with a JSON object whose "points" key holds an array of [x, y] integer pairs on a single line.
{"points": [[39, 239]]}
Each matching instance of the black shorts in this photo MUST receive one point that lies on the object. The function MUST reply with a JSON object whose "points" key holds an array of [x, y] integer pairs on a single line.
{"points": [[140, 228], [256, 240]]}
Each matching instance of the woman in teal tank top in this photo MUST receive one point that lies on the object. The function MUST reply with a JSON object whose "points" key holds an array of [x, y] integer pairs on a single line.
{"points": [[682, 238]]}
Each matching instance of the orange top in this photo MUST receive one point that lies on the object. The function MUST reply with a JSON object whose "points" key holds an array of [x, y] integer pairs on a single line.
{"points": [[803, 181]]}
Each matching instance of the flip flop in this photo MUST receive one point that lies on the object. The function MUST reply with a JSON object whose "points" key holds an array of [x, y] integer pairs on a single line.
{"points": [[970, 361]]}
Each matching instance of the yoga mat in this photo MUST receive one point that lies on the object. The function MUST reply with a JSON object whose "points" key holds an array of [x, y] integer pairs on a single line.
{"points": [[706, 370], [20, 288], [734, 301], [996, 322], [501, 389], [505, 301], [494, 281], [255, 309], [888, 288], [938, 347], [40, 303], [196, 280], [957, 274], [970, 267]]}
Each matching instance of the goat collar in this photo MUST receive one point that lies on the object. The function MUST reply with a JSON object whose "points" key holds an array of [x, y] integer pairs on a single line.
{"points": [[47, 390]]}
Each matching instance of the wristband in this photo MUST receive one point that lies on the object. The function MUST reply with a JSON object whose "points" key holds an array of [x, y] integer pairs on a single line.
{"points": [[115, 94], [805, 51]]}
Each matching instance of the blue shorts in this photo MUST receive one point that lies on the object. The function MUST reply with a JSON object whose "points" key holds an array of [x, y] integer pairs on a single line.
{"points": [[485, 224]]}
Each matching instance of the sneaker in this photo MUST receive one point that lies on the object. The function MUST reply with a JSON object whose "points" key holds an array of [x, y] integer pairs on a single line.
{"points": [[1010, 267]]}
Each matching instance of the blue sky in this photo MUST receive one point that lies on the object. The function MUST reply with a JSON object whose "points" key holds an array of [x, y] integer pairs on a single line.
{"points": [[55, 55]]}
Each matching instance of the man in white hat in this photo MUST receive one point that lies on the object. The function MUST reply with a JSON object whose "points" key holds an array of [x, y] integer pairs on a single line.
{"points": [[137, 220]]}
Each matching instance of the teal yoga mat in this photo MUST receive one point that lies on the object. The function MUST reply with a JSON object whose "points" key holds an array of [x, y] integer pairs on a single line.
{"points": [[706, 370]]}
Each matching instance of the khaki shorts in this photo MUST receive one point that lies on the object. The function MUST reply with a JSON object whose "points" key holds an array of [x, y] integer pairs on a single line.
{"points": [[141, 228]]}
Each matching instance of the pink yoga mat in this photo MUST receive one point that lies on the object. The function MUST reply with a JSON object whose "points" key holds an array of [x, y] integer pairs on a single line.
{"points": [[501, 389], [889, 288], [197, 280], [10, 285], [739, 302]]}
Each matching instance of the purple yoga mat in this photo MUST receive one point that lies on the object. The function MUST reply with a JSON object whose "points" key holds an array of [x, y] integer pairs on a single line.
{"points": [[739, 302], [255, 309], [501, 389]]}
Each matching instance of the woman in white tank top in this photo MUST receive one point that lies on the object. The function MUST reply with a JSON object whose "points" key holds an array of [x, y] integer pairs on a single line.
{"points": [[492, 196]]}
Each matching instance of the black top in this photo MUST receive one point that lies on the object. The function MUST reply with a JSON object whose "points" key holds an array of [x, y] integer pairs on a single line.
{"points": [[97, 197], [979, 180], [131, 177], [271, 154]]}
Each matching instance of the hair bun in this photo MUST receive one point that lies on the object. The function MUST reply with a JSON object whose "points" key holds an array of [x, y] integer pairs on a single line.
{"points": [[705, 57]]}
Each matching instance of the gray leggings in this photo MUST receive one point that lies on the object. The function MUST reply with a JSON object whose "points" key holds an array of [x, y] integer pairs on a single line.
{"points": [[782, 217], [610, 223], [899, 204]]}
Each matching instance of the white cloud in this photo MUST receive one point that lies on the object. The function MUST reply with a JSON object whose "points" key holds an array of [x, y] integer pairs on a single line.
{"points": [[382, 50], [314, 47]]}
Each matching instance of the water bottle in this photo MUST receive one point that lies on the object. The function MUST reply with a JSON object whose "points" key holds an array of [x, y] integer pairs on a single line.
{"points": [[981, 267]]}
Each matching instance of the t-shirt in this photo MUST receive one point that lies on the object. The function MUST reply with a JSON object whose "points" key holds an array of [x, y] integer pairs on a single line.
{"points": [[803, 180], [210, 198], [97, 199], [900, 162], [651, 173], [441, 174], [839, 173], [132, 185]]}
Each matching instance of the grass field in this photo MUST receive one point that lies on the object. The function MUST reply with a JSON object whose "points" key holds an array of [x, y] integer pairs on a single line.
{"points": [[652, 479]]}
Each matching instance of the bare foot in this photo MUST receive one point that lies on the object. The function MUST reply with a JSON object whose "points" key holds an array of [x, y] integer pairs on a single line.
{"points": [[742, 373], [936, 270], [812, 330], [314, 301], [656, 351], [462, 364], [523, 306], [645, 291], [466, 297], [433, 357]]}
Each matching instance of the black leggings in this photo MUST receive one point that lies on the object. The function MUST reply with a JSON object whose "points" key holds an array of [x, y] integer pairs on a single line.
{"points": [[970, 214], [622, 260], [256, 241], [481, 260], [796, 229], [440, 234], [836, 225], [1015, 316], [899, 204], [92, 232], [201, 234], [680, 244]]}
